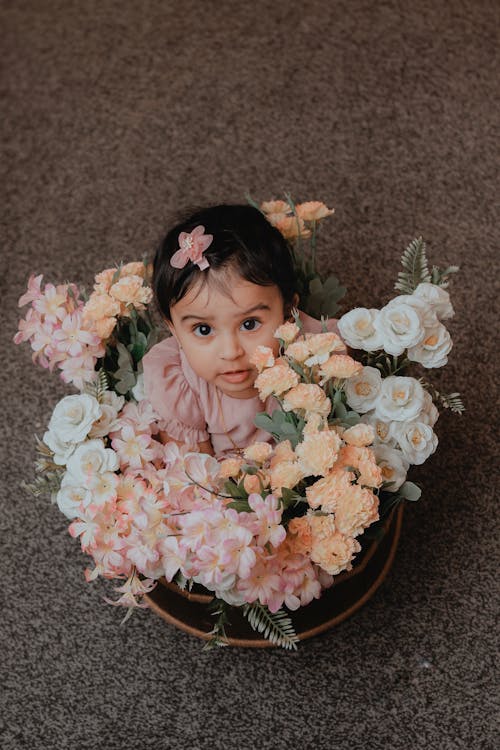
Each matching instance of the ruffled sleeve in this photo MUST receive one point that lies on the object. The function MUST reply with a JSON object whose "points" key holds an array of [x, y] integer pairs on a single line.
{"points": [[171, 395]]}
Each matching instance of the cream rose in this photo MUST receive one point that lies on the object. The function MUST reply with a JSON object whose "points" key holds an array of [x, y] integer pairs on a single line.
{"points": [[92, 457], [417, 441], [73, 417], [362, 390], [383, 429], [401, 324], [393, 464], [359, 329], [434, 348], [437, 298], [400, 399], [429, 414]]}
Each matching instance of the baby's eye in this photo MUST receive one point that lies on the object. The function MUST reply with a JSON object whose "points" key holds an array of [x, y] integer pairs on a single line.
{"points": [[202, 329], [251, 324]]}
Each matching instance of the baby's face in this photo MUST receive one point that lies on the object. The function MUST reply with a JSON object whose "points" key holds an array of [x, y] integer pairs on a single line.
{"points": [[218, 333]]}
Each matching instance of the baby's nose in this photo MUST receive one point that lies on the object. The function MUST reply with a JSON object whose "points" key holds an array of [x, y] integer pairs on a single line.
{"points": [[231, 347]]}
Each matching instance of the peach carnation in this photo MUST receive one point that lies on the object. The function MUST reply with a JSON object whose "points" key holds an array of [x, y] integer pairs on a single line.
{"points": [[298, 350], [131, 291], [287, 332], [318, 452], [339, 366], [315, 422], [258, 452], [285, 474], [104, 327], [274, 207], [262, 357], [309, 397], [313, 210], [100, 306], [136, 268], [283, 452], [276, 380], [230, 467], [104, 279], [290, 227], [362, 459], [327, 491], [331, 550], [360, 435], [324, 343], [355, 510], [299, 536]]}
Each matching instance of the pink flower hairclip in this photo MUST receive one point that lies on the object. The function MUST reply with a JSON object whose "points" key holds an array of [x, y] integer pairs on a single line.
{"points": [[191, 247]]}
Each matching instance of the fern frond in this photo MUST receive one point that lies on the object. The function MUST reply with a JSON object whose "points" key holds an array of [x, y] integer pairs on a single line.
{"points": [[277, 627], [99, 386], [218, 637], [45, 484], [453, 402], [416, 270]]}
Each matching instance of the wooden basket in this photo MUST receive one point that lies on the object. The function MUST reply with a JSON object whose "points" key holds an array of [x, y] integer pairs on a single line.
{"points": [[188, 610]]}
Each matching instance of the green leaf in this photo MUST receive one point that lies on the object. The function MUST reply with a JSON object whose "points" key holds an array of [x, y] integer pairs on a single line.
{"points": [[291, 497], [237, 491], [124, 375], [277, 627], [410, 491], [416, 271]]}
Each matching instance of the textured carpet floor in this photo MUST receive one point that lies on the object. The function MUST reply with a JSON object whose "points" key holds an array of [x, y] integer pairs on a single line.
{"points": [[116, 115]]}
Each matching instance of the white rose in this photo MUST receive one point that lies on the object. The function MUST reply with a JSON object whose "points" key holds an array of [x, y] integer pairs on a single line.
{"points": [[437, 298], [90, 458], [401, 323], [358, 329], [433, 350], [384, 432], [73, 417], [110, 406], [393, 464], [71, 498], [416, 440], [429, 414], [400, 399], [61, 450], [362, 390]]}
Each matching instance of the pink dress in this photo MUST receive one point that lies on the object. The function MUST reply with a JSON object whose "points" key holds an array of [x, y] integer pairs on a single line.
{"points": [[191, 407]]}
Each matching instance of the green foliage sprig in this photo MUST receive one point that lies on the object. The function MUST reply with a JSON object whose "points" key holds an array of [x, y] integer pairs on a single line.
{"points": [[277, 627]]}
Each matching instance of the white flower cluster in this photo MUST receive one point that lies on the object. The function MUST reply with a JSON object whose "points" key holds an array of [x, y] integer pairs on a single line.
{"points": [[408, 322], [402, 414], [75, 435]]}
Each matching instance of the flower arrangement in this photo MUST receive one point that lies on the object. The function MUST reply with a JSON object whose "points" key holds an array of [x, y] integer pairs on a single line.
{"points": [[269, 530]]}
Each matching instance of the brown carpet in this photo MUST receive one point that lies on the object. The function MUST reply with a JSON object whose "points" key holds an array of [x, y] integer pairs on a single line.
{"points": [[116, 115]]}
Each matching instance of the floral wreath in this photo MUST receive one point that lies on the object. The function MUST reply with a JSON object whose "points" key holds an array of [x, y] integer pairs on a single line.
{"points": [[267, 531]]}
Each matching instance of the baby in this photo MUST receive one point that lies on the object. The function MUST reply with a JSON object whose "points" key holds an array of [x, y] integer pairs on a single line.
{"points": [[224, 281]]}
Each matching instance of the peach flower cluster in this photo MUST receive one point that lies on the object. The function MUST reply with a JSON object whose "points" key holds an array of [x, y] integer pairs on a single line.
{"points": [[292, 221], [116, 292]]}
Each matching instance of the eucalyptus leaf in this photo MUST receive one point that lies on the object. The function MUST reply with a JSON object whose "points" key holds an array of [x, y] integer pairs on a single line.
{"points": [[410, 491]]}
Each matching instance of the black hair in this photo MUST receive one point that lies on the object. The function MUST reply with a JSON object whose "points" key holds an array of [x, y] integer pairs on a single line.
{"points": [[243, 239]]}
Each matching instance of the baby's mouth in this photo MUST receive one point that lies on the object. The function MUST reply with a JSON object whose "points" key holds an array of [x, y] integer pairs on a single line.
{"points": [[235, 376]]}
